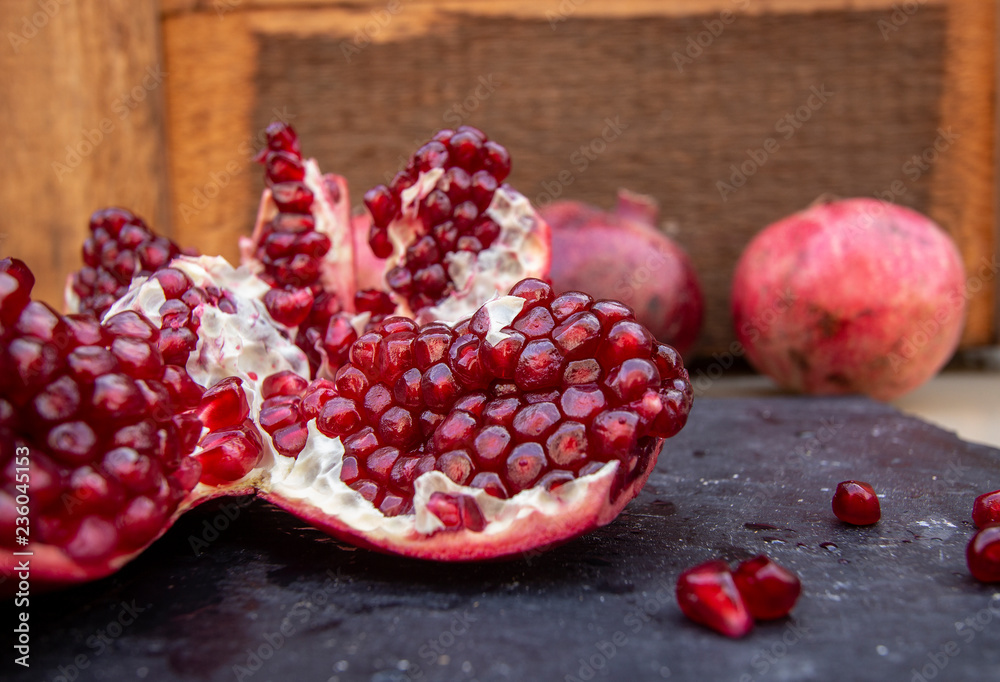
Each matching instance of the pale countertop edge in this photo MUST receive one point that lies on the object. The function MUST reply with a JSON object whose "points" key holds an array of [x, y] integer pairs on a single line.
{"points": [[966, 402]]}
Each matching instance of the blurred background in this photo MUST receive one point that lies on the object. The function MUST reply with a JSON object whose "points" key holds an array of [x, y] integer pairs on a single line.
{"points": [[731, 113]]}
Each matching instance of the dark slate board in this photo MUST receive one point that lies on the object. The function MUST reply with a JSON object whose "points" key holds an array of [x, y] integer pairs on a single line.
{"points": [[746, 476]]}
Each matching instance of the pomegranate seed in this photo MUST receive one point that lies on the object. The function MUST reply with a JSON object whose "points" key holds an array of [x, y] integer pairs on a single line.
{"points": [[456, 511], [855, 502], [224, 405], [286, 382], [707, 595], [229, 455], [768, 590], [986, 509], [983, 555]]}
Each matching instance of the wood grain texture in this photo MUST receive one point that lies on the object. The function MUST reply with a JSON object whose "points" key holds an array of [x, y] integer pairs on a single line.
{"points": [[82, 85], [532, 8], [547, 88], [962, 198]]}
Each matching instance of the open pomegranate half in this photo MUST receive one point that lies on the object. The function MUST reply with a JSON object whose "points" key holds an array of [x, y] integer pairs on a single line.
{"points": [[529, 423], [456, 417]]}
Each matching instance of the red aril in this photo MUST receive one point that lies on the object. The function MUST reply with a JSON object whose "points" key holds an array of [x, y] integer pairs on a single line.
{"points": [[986, 509], [855, 502], [453, 235], [707, 595], [769, 590], [120, 246], [983, 555]]}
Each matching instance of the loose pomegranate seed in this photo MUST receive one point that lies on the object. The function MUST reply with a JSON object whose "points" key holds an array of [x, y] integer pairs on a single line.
{"points": [[983, 555], [986, 509], [855, 502], [707, 595], [768, 590]]}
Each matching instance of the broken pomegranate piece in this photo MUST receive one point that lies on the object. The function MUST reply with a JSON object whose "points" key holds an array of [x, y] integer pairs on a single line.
{"points": [[120, 246], [91, 431], [453, 234], [986, 509], [532, 421], [707, 594], [768, 590], [855, 502]]}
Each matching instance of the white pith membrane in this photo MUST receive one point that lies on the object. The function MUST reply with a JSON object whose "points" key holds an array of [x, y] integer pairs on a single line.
{"points": [[521, 250], [337, 272], [248, 344]]}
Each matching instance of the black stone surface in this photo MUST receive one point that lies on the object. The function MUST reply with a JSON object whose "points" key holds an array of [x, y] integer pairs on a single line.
{"points": [[265, 598]]}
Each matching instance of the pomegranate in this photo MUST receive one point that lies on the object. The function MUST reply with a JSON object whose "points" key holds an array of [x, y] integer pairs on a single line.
{"points": [[95, 432], [769, 590], [855, 502], [120, 246], [986, 509], [453, 235], [983, 555], [534, 420], [707, 595], [623, 255], [852, 296], [523, 422]]}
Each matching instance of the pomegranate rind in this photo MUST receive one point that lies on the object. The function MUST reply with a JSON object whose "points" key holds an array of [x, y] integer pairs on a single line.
{"points": [[531, 521], [852, 296], [624, 256], [52, 568]]}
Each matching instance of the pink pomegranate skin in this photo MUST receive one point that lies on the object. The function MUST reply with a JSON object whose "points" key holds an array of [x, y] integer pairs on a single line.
{"points": [[624, 256], [853, 296]]}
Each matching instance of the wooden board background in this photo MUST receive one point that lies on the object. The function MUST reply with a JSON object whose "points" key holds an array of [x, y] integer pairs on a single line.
{"points": [[557, 71]]}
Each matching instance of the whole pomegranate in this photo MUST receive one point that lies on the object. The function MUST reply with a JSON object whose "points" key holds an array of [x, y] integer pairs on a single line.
{"points": [[622, 255], [850, 296]]}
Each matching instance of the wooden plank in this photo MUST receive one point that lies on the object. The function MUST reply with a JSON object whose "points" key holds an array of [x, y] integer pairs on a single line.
{"points": [[209, 109], [688, 126], [532, 8], [962, 192], [83, 117]]}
